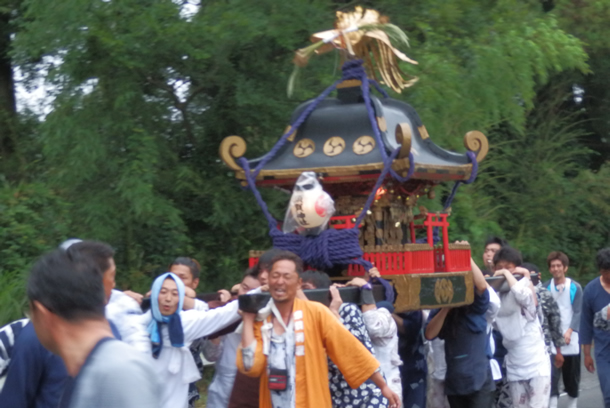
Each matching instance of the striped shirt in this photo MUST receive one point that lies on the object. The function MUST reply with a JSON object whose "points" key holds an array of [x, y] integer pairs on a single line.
{"points": [[8, 334]]}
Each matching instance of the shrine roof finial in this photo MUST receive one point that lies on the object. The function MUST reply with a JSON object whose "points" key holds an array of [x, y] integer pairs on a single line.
{"points": [[362, 34]]}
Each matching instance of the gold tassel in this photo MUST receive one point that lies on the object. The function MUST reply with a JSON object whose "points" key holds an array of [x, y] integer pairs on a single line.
{"points": [[367, 35]]}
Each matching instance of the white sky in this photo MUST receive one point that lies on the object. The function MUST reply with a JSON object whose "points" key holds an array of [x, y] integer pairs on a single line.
{"points": [[38, 97]]}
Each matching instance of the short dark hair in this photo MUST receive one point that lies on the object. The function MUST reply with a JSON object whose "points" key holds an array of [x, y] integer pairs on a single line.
{"points": [[532, 268], [508, 254], [69, 285], [318, 279], [251, 272], [602, 260], [496, 240], [288, 256], [558, 256], [190, 263], [97, 251], [265, 261]]}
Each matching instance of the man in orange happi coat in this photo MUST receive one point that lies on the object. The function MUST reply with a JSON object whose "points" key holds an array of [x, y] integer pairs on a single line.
{"points": [[288, 342]]}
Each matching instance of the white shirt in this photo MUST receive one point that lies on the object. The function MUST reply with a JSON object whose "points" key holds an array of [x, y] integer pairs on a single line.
{"points": [[384, 335], [522, 334], [126, 314], [219, 391], [490, 316], [281, 354], [175, 366], [201, 305], [564, 302], [437, 347]]}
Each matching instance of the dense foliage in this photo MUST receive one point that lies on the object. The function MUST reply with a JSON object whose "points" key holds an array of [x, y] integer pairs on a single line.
{"points": [[144, 91]]}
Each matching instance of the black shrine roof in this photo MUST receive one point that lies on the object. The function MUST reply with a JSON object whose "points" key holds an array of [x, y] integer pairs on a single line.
{"points": [[337, 142]]}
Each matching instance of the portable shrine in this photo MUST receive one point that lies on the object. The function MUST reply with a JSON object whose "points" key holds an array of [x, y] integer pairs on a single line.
{"points": [[374, 157]]}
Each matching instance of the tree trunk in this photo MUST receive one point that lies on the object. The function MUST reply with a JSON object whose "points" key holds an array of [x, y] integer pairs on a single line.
{"points": [[7, 90]]}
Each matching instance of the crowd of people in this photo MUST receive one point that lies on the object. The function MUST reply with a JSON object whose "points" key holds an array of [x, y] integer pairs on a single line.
{"points": [[85, 344]]}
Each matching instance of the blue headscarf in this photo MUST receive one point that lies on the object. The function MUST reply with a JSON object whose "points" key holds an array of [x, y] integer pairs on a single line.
{"points": [[173, 322]]}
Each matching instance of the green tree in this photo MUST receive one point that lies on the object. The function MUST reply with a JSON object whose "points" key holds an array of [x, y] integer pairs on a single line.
{"points": [[33, 220], [144, 94], [536, 190], [143, 99], [9, 121], [588, 20]]}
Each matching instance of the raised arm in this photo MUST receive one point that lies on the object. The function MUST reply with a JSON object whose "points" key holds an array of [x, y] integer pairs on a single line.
{"points": [[125, 312], [523, 290], [494, 305], [510, 279], [479, 279], [133, 330], [194, 304], [368, 300], [435, 324], [197, 323], [250, 358]]}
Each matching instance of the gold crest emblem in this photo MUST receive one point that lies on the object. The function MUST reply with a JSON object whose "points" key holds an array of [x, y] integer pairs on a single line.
{"points": [[443, 291], [334, 146], [364, 145], [304, 148]]}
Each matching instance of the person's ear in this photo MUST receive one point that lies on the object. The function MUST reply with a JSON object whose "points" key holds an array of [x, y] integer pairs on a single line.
{"points": [[195, 283], [41, 314], [39, 309]]}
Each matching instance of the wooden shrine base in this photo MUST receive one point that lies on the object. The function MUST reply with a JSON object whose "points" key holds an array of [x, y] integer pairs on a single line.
{"points": [[432, 290], [414, 292]]}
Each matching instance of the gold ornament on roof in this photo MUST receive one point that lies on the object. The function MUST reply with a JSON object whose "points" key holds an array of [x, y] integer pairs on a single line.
{"points": [[334, 146], [304, 148], [367, 35], [364, 145]]}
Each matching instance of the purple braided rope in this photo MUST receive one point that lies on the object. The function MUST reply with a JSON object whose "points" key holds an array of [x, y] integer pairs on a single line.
{"points": [[475, 167], [377, 132], [472, 178], [295, 125], [259, 199], [379, 88], [332, 246], [350, 71], [389, 290]]}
